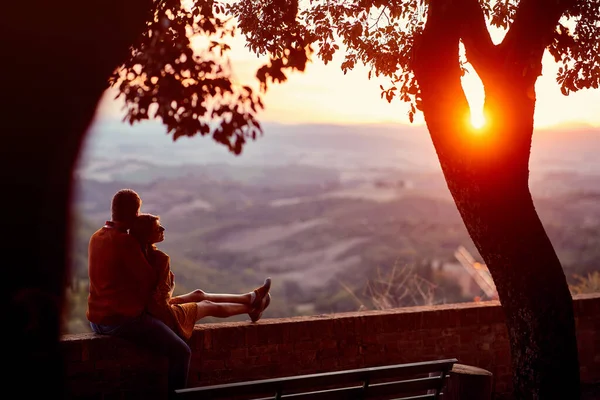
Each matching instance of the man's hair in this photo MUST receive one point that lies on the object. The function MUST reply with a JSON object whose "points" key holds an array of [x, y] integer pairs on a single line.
{"points": [[142, 228], [125, 205]]}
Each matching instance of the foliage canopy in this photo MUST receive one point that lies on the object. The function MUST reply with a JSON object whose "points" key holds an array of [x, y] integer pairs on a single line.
{"points": [[179, 70]]}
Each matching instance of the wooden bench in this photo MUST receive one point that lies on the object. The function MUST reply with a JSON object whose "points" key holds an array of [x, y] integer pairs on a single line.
{"points": [[422, 380]]}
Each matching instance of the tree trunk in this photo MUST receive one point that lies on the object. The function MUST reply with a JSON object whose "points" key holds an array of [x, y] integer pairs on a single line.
{"points": [[494, 201], [487, 174], [57, 57]]}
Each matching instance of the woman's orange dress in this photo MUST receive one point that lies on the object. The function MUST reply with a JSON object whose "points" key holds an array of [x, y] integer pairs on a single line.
{"points": [[179, 317]]}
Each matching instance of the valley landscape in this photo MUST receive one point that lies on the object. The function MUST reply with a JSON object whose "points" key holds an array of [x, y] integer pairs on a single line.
{"points": [[333, 214]]}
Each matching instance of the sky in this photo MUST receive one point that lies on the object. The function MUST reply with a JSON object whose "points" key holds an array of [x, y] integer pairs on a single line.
{"points": [[323, 94]]}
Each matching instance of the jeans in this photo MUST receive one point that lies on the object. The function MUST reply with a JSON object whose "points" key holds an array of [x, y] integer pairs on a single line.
{"points": [[154, 335]]}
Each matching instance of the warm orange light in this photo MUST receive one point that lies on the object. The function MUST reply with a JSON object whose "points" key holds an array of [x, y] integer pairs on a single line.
{"points": [[477, 119]]}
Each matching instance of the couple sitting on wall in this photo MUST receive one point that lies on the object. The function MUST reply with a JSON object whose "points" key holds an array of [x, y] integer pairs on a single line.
{"points": [[131, 286]]}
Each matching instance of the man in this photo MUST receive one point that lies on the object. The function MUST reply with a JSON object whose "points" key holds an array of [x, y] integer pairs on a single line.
{"points": [[121, 283]]}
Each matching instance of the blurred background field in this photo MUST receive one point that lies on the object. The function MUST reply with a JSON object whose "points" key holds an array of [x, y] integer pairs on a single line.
{"points": [[341, 217]]}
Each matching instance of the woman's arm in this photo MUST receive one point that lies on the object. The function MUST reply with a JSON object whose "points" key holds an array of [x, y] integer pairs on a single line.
{"points": [[159, 301]]}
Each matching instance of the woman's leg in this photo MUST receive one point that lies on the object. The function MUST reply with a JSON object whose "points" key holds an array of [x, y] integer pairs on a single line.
{"points": [[153, 334], [251, 298], [208, 308], [199, 295]]}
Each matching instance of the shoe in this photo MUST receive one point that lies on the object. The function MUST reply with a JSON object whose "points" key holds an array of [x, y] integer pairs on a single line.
{"points": [[257, 313], [261, 292]]}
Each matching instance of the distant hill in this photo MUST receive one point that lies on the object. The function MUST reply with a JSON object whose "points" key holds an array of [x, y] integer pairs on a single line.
{"points": [[322, 209], [338, 146]]}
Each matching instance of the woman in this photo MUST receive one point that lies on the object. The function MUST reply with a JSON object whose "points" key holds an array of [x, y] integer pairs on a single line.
{"points": [[180, 313]]}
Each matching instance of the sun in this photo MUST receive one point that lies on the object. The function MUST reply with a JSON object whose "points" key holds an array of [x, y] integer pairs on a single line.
{"points": [[477, 119]]}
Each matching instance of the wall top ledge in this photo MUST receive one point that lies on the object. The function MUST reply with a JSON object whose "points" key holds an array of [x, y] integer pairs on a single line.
{"points": [[409, 312]]}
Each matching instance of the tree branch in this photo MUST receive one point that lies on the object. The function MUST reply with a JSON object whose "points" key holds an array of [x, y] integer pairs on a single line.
{"points": [[481, 51], [376, 23], [438, 73], [436, 50], [531, 32]]}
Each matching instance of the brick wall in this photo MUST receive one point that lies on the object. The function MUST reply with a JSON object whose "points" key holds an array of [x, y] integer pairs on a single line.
{"points": [[474, 333]]}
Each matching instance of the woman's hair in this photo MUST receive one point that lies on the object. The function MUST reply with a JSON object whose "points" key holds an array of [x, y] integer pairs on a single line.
{"points": [[142, 228]]}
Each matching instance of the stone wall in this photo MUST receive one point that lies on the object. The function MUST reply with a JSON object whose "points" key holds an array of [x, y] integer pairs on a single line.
{"points": [[474, 333]]}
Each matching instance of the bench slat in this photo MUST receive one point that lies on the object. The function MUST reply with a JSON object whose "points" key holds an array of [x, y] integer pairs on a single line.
{"points": [[343, 396], [414, 386], [327, 381]]}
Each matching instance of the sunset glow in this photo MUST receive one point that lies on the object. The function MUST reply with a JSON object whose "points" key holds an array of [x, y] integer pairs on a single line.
{"points": [[477, 119], [324, 94]]}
